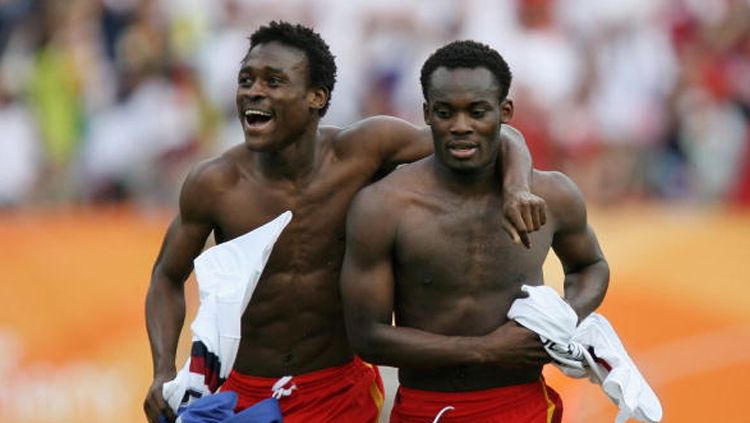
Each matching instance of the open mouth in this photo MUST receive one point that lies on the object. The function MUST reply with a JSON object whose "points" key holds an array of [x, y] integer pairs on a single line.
{"points": [[257, 118]]}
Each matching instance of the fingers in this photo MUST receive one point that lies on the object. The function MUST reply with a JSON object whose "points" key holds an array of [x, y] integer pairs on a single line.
{"points": [[525, 239], [155, 407], [516, 218], [534, 213], [526, 215], [531, 209], [152, 412], [536, 217], [511, 231], [521, 294], [528, 220], [519, 228], [538, 214], [543, 214], [542, 358], [168, 413]]}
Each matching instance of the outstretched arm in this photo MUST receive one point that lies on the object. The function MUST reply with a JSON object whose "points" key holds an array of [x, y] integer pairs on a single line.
{"points": [[367, 290], [165, 300], [397, 141], [574, 242]]}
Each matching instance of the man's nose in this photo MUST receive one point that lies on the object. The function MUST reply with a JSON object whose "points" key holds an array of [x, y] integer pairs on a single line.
{"points": [[461, 125], [255, 91]]}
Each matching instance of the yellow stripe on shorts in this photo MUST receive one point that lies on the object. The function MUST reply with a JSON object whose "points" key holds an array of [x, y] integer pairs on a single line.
{"points": [[550, 404]]}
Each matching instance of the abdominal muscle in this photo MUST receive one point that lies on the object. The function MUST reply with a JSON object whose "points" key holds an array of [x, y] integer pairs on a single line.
{"points": [[293, 325]]}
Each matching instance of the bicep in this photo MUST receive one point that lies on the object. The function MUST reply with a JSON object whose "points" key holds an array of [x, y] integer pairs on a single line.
{"points": [[394, 141], [367, 282], [187, 232], [408, 144], [183, 242], [577, 248], [574, 241]]}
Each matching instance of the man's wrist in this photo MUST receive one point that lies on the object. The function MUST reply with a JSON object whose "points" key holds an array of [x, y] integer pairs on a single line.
{"points": [[166, 370], [515, 187]]}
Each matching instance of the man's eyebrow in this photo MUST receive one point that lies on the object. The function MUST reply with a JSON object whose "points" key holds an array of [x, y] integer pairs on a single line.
{"points": [[269, 69], [480, 103]]}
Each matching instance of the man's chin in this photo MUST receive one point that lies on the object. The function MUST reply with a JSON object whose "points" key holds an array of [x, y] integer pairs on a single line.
{"points": [[461, 165], [260, 144]]}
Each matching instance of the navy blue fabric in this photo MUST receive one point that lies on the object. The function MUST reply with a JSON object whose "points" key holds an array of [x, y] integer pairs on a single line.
{"points": [[219, 408], [266, 411], [210, 409]]}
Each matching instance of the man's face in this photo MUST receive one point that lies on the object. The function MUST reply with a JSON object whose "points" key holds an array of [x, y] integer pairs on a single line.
{"points": [[273, 99], [465, 113]]}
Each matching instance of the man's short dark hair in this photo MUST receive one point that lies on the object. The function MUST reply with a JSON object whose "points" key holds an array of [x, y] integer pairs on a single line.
{"points": [[321, 64], [467, 54]]}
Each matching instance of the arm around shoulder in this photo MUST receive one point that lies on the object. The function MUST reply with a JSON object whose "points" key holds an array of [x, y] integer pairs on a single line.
{"points": [[525, 211], [392, 140]]}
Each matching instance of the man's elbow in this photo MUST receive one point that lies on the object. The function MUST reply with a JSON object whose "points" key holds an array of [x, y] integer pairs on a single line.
{"points": [[599, 283], [604, 279], [366, 345]]}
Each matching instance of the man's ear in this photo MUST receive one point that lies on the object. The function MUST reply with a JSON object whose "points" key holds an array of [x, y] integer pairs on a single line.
{"points": [[317, 98], [426, 113], [506, 110]]}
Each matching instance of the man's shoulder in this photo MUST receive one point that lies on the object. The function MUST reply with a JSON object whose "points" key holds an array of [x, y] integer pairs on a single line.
{"points": [[552, 182], [218, 171], [398, 188], [406, 178], [561, 193]]}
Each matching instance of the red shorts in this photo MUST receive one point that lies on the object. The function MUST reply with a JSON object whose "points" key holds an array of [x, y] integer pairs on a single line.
{"points": [[528, 403], [349, 393]]}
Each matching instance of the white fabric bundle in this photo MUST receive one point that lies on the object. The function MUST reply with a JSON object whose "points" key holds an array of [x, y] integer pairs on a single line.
{"points": [[591, 350]]}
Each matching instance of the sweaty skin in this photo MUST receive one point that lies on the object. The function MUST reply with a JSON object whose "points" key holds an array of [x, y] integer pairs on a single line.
{"points": [[294, 322], [423, 244]]}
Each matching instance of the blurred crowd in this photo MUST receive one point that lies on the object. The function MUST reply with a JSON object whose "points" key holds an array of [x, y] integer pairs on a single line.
{"points": [[113, 100]]}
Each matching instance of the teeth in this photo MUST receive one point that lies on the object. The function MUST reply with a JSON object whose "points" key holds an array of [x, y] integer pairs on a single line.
{"points": [[257, 113]]}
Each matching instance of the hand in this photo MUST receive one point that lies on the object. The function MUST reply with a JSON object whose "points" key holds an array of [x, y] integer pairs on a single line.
{"points": [[524, 213], [154, 405], [513, 346]]}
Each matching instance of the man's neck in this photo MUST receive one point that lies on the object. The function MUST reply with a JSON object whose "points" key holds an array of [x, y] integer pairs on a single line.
{"points": [[469, 183], [293, 162]]}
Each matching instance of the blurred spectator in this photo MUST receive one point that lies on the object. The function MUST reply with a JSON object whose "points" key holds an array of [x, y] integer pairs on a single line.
{"points": [[19, 151], [112, 100]]}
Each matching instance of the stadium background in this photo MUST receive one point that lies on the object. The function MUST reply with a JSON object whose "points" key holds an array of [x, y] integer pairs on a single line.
{"points": [[104, 104]]}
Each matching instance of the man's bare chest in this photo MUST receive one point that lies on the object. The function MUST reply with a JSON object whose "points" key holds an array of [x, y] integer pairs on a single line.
{"points": [[465, 249], [319, 203]]}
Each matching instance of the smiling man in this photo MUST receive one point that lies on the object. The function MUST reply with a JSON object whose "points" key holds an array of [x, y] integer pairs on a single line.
{"points": [[294, 323], [424, 243]]}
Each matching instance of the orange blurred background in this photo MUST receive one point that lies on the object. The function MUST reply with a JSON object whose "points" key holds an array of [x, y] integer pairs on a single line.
{"points": [[74, 346]]}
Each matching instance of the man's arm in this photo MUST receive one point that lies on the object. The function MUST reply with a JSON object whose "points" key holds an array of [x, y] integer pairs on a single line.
{"points": [[575, 244], [397, 141], [165, 300], [367, 290], [526, 211]]}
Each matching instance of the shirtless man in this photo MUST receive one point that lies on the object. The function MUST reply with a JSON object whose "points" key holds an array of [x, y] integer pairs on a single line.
{"points": [[423, 243], [294, 323]]}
